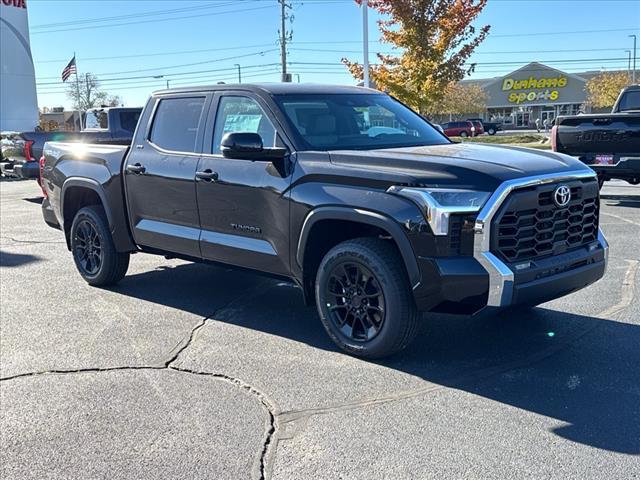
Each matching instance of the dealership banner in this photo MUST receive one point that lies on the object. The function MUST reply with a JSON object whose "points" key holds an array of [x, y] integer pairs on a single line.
{"points": [[18, 100]]}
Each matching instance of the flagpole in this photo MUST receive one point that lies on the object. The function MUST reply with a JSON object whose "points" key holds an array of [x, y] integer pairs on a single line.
{"points": [[78, 90]]}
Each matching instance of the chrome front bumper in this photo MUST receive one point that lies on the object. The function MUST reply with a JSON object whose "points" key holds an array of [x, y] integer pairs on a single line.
{"points": [[501, 277]]}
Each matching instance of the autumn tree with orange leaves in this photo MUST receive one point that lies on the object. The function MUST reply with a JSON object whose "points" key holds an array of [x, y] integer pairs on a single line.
{"points": [[434, 39]]}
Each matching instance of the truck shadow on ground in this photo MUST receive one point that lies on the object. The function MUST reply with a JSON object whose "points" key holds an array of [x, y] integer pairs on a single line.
{"points": [[578, 369], [16, 259]]}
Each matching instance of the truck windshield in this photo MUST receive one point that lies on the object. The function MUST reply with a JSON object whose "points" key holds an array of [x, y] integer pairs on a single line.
{"points": [[356, 122], [96, 119]]}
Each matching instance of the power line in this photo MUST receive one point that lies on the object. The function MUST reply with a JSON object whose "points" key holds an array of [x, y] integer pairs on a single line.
{"points": [[167, 67], [159, 54], [131, 15], [155, 20]]}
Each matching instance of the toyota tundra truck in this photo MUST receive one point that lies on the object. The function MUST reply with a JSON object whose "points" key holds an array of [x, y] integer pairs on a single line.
{"points": [[609, 143], [375, 225]]}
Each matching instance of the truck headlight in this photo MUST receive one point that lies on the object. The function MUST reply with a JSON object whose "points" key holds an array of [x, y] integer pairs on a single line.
{"points": [[439, 203]]}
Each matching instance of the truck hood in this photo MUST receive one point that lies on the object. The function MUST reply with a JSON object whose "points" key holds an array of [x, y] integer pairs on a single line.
{"points": [[461, 164]]}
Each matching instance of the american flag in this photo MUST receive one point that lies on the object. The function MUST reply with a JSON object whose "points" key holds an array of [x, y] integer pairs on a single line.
{"points": [[69, 69]]}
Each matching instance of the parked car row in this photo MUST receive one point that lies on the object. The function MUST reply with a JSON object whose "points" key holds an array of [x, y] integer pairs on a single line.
{"points": [[20, 151], [470, 128]]}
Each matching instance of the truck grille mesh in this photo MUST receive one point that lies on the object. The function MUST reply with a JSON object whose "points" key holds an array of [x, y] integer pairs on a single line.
{"points": [[531, 226]]}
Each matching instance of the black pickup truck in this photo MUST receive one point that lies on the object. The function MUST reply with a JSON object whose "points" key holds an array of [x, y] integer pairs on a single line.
{"points": [[21, 151], [374, 224], [608, 143]]}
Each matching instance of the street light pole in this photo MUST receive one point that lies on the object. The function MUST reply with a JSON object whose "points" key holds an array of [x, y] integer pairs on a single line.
{"points": [[633, 74], [365, 42], [239, 72], [629, 65]]}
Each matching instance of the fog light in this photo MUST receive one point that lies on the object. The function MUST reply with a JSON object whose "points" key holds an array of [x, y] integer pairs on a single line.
{"points": [[593, 246], [522, 266]]}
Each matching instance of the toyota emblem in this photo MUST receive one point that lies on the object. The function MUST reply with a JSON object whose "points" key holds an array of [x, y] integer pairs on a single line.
{"points": [[562, 196]]}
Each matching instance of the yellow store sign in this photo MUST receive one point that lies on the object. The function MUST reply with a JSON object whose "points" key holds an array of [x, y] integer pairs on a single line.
{"points": [[531, 89]]}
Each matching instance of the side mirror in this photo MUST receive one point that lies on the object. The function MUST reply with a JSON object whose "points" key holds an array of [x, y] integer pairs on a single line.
{"points": [[248, 146]]}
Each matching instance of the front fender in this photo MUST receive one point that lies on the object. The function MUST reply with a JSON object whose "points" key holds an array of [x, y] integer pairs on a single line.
{"points": [[365, 217]]}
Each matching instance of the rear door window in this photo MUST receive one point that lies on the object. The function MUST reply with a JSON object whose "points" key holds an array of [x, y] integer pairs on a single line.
{"points": [[175, 125]]}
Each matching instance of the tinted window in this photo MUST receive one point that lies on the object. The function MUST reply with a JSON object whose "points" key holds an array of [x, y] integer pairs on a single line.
{"points": [[96, 119], [630, 101], [175, 125], [242, 114], [129, 120], [356, 121]]}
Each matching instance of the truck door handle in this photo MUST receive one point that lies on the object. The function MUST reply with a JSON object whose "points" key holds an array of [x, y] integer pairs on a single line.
{"points": [[207, 176], [137, 169]]}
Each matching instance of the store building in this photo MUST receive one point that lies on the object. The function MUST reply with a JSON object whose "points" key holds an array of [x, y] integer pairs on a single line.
{"points": [[534, 91]]}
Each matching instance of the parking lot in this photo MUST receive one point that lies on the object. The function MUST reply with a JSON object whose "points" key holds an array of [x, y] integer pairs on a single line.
{"points": [[192, 371]]}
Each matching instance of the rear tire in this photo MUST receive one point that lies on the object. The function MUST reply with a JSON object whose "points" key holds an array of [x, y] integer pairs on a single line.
{"points": [[491, 131], [464, 134], [364, 298], [93, 250]]}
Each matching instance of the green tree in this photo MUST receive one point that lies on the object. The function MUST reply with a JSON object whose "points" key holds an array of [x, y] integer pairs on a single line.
{"points": [[434, 39], [88, 94], [603, 90]]}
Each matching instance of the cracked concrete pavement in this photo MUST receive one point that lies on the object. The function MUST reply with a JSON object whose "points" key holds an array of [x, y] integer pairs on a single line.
{"points": [[186, 370]]}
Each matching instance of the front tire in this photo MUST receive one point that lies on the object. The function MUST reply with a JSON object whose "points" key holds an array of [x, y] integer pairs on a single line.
{"points": [[464, 134], [93, 250], [491, 131], [364, 298]]}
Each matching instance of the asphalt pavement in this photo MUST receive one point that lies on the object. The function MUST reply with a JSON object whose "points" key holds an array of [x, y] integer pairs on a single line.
{"points": [[192, 371]]}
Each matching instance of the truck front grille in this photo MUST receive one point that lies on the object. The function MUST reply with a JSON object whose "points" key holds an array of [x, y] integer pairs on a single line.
{"points": [[529, 225]]}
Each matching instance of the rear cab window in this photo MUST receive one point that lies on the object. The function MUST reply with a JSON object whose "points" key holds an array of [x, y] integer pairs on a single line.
{"points": [[129, 120], [96, 120], [630, 101], [175, 123]]}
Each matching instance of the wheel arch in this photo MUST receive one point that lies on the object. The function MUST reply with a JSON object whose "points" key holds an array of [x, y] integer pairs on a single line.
{"points": [[345, 223]]}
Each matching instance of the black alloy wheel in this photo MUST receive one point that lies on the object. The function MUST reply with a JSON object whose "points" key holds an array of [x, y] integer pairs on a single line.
{"points": [[88, 248], [355, 301], [93, 250], [364, 298]]}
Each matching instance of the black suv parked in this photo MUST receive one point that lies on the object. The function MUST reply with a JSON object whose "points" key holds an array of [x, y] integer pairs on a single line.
{"points": [[375, 214]]}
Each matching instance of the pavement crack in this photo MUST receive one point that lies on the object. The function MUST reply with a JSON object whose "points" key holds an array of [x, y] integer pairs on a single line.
{"points": [[80, 370], [32, 242], [262, 469], [263, 464], [627, 296]]}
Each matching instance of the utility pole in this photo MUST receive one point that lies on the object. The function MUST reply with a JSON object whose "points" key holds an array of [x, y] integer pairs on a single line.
{"points": [[633, 74], [239, 72], [284, 37], [365, 42]]}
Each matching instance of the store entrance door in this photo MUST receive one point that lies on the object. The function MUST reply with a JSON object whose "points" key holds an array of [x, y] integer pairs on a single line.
{"points": [[522, 119], [548, 115]]}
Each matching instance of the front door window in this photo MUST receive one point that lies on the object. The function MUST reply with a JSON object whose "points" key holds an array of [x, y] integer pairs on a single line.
{"points": [[242, 114]]}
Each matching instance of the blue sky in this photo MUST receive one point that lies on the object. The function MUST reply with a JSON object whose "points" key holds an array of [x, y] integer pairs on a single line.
{"points": [[198, 42]]}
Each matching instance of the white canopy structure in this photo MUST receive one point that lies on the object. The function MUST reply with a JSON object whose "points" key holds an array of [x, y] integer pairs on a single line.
{"points": [[18, 99]]}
